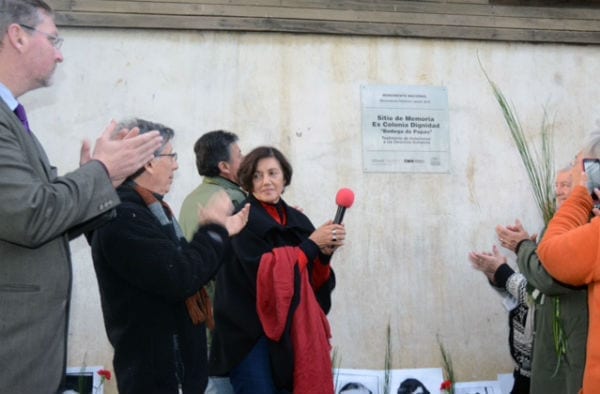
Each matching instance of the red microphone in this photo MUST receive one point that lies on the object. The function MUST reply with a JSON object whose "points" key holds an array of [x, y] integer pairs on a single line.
{"points": [[344, 199]]}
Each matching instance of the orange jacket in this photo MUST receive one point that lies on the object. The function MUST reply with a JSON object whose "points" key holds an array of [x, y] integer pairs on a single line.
{"points": [[570, 252]]}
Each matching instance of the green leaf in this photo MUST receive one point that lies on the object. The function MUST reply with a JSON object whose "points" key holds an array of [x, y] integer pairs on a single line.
{"points": [[538, 165]]}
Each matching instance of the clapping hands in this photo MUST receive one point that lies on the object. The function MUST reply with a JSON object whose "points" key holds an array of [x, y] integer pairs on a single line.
{"points": [[218, 210], [486, 262]]}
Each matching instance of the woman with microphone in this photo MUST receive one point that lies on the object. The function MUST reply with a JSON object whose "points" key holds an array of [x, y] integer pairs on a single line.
{"points": [[271, 334]]}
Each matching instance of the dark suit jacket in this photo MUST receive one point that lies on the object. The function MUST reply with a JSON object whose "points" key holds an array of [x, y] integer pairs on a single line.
{"points": [[37, 210]]}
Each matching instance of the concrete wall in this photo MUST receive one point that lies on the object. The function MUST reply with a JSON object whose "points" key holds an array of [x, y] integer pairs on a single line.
{"points": [[405, 261]]}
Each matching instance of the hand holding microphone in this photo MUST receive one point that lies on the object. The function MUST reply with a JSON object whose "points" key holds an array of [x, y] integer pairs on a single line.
{"points": [[332, 234]]}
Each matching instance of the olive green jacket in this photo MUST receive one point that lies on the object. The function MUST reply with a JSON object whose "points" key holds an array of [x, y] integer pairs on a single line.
{"points": [[188, 216], [549, 375]]}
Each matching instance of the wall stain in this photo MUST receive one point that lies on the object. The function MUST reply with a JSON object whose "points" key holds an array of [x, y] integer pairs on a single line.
{"points": [[558, 79], [470, 174]]}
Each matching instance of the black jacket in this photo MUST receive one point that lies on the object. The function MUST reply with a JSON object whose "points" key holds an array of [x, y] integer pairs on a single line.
{"points": [[238, 326], [145, 273]]}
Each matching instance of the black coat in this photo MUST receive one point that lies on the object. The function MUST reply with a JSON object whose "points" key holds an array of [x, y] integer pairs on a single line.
{"points": [[238, 326], [145, 273]]}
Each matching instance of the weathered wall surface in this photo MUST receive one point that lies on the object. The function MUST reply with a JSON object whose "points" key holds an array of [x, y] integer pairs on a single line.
{"points": [[405, 261]]}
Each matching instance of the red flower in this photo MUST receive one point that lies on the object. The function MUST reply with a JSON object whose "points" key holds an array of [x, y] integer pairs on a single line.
{"points": [[446, 385], [105, 374]]}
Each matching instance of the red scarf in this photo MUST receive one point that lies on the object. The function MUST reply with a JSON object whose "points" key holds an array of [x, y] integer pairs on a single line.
{"points": [[310, 329]]}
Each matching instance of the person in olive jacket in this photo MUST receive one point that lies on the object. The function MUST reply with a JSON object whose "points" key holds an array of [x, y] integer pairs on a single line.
{"points": [[561, 311]]}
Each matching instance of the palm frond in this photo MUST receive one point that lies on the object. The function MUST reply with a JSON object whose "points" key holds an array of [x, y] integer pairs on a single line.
{"points": [[539, 165], [388, 360], [336, 361], [448, 367]]}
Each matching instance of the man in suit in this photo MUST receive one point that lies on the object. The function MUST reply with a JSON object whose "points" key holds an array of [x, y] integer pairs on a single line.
{"points": [[40, 211]]}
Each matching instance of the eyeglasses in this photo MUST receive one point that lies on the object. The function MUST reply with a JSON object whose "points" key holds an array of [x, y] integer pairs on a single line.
{"points": [[173, 155], [56, 41]]}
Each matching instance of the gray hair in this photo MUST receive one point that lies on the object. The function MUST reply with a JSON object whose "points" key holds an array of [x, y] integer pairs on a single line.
{"points": [[566, 168], [26, 12], [592, 148], [145, 126]]}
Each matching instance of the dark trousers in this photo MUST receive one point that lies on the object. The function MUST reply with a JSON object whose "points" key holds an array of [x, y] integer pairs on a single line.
{"points": [[521, 385], [253, 374]]}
